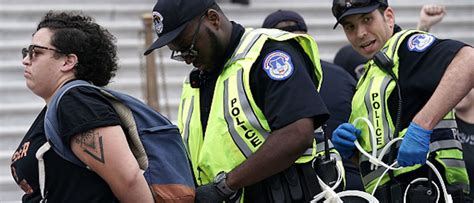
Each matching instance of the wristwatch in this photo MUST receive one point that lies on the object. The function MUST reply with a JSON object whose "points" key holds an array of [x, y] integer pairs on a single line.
{"points": [[219, 182]]}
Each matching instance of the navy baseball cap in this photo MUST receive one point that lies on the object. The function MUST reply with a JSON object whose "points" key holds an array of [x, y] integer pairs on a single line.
{"points": [[284, 15], [343, 8], [170, 17]]}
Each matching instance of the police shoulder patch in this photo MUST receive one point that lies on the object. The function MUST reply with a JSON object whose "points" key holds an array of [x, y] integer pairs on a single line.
{"points": [[420, 42], [278, 65]]}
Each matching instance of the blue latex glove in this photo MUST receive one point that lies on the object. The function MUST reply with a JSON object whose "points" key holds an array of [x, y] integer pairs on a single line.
{"points": [[415, 146], [343, 139]]}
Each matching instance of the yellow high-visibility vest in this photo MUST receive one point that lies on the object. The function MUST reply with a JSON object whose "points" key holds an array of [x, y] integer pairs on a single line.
{"points": [[236, 127]]}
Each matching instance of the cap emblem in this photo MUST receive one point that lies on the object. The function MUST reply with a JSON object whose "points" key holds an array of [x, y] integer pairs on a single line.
{"points": [[158, 22]]}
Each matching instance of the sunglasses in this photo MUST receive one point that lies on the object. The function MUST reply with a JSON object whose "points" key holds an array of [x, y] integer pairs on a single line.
{"points": [[341, 6], [30, 51], [191, 52]]}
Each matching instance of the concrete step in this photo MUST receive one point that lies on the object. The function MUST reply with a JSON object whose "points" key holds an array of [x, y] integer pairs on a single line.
{"points": [[10, 192], [34, 2], [318, 17], [129, 83], [11, 49], [256, 12], [99, 10], [5, 160], [120, 10], [21, 93], [11, 137], [126, 29], [12, 70], [16, 117]]}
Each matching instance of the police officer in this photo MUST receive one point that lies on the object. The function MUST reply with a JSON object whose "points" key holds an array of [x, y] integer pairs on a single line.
{"points": [[337, 88], [427, 76], [249, 108]]}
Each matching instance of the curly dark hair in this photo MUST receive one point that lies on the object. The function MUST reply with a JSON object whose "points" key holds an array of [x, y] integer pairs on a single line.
{"points": [[75, 33]]}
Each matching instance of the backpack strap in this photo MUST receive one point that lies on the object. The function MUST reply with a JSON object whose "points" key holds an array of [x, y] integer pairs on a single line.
{"points": [[41, 169], [51, 124]]}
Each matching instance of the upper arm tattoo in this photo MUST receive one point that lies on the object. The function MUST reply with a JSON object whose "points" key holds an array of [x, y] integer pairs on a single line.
{"points": [[91, 143]]}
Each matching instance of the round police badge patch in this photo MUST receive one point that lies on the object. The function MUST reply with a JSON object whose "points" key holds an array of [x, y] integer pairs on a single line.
{"points": [[420, 42], [278, 65]]}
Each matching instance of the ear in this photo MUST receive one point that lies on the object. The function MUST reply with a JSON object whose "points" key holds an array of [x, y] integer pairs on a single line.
{"points": [[389, 16], [70, 62], [214, 18]]}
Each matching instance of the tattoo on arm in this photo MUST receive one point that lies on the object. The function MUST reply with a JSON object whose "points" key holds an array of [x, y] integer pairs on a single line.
{"points": [[91, 143]]}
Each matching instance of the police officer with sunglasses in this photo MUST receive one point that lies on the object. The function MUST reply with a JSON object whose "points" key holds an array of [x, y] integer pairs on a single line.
{"points": [[411, 83]]}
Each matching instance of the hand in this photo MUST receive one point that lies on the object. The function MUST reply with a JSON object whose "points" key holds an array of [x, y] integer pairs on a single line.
{"points": [[343, 139], [415, 146], [429, 16], [209, 193]]}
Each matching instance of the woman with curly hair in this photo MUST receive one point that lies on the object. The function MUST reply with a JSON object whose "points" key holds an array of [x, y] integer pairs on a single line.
{"points": [[67, 47]]}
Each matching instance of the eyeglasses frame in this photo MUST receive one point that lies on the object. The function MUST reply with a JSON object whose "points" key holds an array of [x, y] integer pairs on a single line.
{"points": [[191, 52], [29, 51]]}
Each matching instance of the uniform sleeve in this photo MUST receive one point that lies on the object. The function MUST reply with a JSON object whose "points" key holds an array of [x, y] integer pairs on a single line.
{"points": [[282, 83], [82, 109], [423, 61], [418, 63]]}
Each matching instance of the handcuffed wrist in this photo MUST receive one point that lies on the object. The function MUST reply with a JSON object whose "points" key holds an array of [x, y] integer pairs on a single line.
{"points": [[221, 185]]}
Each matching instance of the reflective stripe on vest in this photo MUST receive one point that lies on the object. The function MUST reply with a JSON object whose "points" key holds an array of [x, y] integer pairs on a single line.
{"points": [[257, 34], [375, 102], [449, 121], [249, 114], [446, 124], [188, 121], [453, 163], [445, 144]]}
